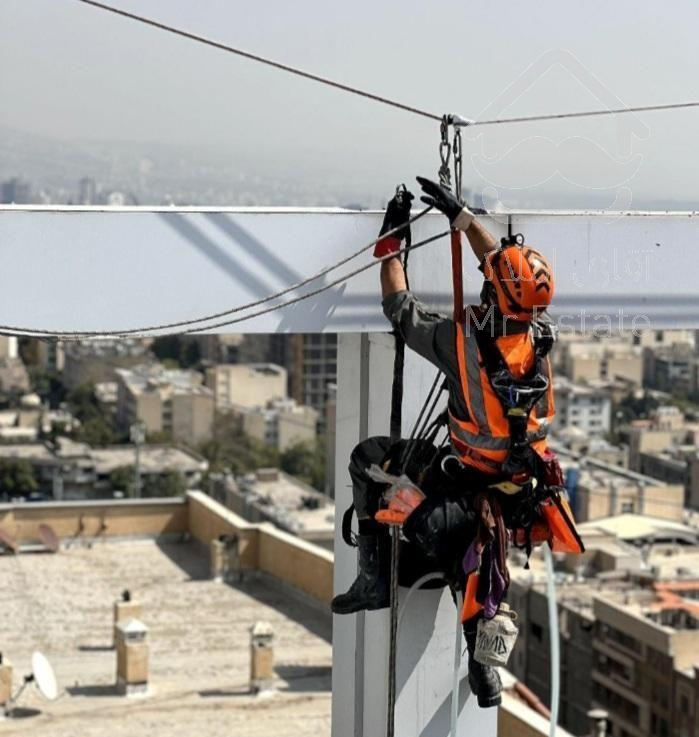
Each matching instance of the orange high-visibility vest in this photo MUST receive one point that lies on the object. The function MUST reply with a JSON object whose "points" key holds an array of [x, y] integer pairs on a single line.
{"points": [[483, 440]]}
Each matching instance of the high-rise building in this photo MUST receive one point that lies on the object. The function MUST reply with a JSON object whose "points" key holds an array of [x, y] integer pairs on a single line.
{"points": [[313, 369], [87, 191], [16, 191]]}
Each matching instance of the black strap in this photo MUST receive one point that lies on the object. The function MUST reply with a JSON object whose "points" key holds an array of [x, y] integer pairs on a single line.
{"points": [[347, 535], [521, 457], [396, 426]]}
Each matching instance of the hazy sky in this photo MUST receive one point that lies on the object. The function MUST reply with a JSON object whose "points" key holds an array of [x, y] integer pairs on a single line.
{"points": [[71, 71]]}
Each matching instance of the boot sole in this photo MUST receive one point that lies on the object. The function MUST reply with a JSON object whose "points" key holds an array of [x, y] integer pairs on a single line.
{"points": [[372, 607]]}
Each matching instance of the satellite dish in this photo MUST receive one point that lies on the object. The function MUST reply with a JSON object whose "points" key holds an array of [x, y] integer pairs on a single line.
{"points": [[49, 538], [44, 677]]}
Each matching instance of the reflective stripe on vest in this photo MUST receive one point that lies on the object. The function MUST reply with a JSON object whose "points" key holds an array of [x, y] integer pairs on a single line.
{"points": [[487, 431]]}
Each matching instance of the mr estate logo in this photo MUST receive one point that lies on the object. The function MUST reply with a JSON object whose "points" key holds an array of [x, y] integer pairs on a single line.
{"points": [[534, 160]]}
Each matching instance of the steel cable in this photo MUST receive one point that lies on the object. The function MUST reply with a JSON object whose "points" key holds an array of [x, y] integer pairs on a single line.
{"points": [[370, 95]]}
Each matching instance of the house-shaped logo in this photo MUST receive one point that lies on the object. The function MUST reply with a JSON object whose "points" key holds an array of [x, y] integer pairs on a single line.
{"points": [[536, 159]]}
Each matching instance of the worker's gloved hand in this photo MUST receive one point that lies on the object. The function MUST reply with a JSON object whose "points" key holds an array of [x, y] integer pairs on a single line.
{"points": [[397, 214], [445, 201]]}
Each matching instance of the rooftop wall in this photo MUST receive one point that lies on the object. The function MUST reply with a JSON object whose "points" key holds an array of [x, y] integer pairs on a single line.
{"points": [[132, 517], [297, 563]]}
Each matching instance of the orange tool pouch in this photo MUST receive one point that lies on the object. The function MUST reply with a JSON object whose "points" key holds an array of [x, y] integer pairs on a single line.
{"points": [[559, 517]]}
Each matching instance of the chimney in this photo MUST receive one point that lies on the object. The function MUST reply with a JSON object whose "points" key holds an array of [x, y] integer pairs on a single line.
{"points": [[261, 657], [5, 684], [224, 561], [132, 658], [124, 609]]}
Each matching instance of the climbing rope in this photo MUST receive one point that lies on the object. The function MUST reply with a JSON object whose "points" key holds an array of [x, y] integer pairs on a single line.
{"points": [[136, 332]]}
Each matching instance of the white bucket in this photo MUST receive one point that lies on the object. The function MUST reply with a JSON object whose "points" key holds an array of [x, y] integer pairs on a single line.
{"points": [[496, 637]]}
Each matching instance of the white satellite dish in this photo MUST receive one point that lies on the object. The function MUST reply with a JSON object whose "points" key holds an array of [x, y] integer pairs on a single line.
{"points": [[44, 677]]}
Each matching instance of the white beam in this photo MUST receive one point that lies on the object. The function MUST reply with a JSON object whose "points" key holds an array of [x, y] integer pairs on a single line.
{"points": [[92, 269]]}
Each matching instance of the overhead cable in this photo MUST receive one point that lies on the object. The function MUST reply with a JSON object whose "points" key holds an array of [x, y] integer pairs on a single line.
{"points": [[370, 95], [262, 60]]}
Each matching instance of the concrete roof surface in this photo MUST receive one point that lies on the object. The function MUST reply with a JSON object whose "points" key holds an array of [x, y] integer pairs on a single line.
{"points": [[629, 526], [198, 632]]}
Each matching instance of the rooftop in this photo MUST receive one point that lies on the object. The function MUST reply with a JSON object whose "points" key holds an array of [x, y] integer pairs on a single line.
{"points": [[638, 527], [106, 348], [155, 377], [291, 504], [199, 645]]}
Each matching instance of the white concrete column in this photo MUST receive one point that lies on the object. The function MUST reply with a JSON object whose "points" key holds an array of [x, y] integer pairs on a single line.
{"points": [[426, 635]]}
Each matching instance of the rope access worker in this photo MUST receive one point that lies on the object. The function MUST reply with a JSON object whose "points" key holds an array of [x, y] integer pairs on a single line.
{"points": [[496, 483]]}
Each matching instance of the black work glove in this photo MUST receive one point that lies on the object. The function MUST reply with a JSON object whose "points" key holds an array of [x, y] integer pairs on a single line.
{"points": [[445, 201], [397, 214]]}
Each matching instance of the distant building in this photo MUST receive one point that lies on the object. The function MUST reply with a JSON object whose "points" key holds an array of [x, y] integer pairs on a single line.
{"points": [[8, 347], [166, 400], [598, 489], [671, 368], [269, 495], [603, 493], [246, 385], [313, 369], [586, 408], [663, 338], [281, 424], [14, 378], [87, 191], [610, 359], [16, 191], [645, 645], [73, 470], [95, 361], [246, 348], [628, 636]]}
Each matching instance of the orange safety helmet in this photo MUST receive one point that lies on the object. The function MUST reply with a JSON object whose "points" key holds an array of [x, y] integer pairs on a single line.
{"points": [[518, 279]]}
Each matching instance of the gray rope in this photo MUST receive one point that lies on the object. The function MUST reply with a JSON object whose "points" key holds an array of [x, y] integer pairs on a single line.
{"points": [[240, 308], [116, 334]]}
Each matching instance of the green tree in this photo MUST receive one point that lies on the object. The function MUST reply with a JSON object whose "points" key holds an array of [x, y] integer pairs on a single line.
{"points": [[17, 478], [122, 479], [170, 483], [184, 351], [96, 431], [96, 428], [230, 448], [83, 403], [634, 408], [48, 385], [306, 461], [159, 437]]}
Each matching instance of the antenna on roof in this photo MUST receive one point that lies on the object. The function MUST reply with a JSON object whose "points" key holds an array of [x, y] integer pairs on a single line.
{"points": [[43, 678]]}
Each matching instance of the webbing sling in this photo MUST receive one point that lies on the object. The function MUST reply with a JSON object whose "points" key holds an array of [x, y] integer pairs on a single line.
{"points": [[395, 436]]}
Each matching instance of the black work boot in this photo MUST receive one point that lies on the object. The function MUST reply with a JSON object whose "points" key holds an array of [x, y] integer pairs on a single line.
{"points": [[484, 680], [371, 588]]}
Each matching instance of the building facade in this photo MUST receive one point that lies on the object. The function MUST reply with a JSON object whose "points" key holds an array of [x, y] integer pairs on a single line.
{"points": [[172, 401]]}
